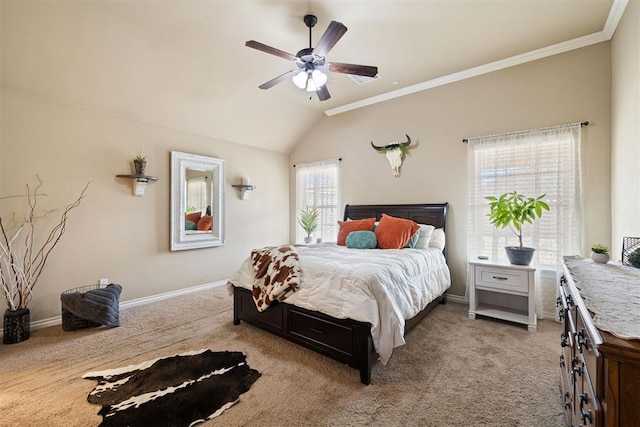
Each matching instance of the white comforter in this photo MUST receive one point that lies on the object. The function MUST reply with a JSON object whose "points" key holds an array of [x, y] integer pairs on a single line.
{"points": [[381, 287]]}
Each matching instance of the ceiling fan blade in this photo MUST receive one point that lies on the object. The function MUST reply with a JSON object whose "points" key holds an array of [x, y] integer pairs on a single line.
{"points": [[323, 93], [277, 80], [331, 35], [268, 49], [358, 70]]}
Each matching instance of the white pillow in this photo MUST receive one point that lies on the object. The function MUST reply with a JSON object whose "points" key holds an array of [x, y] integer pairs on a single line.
{"points": [[425, 236], [437, 239]]}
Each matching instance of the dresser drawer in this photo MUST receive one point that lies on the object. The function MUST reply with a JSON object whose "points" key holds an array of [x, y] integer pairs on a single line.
{"points": [[587, 350], [502, 279], [322, 333], [588, 409]]}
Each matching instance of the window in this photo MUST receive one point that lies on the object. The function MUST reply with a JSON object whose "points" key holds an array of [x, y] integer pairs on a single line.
{"points": [[531, 163], [317, 186], [197, 191]]}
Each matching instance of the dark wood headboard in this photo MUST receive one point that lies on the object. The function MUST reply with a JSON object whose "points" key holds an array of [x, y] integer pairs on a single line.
{"points": [[431, 213]]}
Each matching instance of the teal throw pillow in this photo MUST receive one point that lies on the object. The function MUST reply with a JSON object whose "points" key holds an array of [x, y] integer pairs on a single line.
{"points": [[362, 240], [190, 225], [413, 241]]}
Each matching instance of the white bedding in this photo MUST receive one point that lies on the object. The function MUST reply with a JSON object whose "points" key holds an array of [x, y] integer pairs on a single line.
{"points": [[382, 287]]}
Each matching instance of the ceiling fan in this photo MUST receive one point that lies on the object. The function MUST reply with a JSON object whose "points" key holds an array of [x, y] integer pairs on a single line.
{"points": [[309, 74]]}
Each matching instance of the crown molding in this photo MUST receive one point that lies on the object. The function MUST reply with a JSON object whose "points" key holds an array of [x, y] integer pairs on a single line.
{"points": [[615, 14]]}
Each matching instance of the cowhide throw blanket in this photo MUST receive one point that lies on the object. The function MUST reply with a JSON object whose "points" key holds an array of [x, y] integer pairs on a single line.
{"points": [[276, 274], [181, 390]]}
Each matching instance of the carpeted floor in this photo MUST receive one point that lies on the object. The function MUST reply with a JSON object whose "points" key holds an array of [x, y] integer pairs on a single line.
{"points": [[452, 372]]}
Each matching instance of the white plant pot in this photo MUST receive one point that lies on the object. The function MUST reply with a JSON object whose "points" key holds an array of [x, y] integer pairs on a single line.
{"points": [[600, 258], [308, 239]]}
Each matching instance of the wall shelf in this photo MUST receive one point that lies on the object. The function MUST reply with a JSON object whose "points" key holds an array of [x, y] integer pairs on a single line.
{"points": [[139, 182], [139, 178], [244, 188]]}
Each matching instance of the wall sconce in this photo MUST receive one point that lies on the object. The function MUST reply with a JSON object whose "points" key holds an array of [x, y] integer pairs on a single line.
{"points": [[140, 180], [244, 188]]}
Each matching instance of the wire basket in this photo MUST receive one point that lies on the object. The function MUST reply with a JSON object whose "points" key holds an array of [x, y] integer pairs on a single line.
{"points": [[629, 245], [71, 322]]}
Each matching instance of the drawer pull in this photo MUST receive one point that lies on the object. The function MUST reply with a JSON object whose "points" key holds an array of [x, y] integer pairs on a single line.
{"points": [[570, 301], [317, 331], [584, 416], [500, 278], [583, 340], [584, 399]]}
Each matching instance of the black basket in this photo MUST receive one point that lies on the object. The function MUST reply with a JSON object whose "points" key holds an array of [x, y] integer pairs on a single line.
{"points": [[71, 322], [629, 245]]}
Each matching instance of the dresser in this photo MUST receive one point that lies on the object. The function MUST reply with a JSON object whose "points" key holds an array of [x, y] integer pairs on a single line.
{"points": [[502, 291], [599, 372]]}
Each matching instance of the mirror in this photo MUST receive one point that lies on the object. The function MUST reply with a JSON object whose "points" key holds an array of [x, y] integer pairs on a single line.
{"points": [[197, 201]]}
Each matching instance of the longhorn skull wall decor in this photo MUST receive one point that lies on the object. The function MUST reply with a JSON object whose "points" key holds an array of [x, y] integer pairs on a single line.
{"points": [[395, 153]]}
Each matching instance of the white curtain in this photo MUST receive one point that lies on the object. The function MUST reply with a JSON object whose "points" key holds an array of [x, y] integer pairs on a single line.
{"points": [[197, 194], [535, 162], [317, 186]]}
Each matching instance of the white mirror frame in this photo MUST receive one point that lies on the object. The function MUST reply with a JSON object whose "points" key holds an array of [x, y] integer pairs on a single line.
{"points": [[180, 238]]}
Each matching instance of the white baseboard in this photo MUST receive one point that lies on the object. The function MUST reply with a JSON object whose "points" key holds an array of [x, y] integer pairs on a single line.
{"points": [[57, 320], [459, 299]]}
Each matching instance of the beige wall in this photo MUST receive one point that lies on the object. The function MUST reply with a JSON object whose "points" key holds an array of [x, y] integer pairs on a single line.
{"points": [[113, 234], [565, 88], [625, 126]]}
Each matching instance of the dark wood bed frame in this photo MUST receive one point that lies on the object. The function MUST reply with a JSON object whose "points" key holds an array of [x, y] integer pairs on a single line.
{"points": [[345, 340]]}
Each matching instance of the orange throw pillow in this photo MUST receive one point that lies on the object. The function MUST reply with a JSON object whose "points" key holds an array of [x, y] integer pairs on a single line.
{"points": [[194, 217], [347, 227], [394, 233], [205, 223]]}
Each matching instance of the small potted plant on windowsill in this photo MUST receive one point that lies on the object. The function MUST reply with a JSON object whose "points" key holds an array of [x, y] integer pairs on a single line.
{"points": [[513, 210], [600, 253], [308, 220]]}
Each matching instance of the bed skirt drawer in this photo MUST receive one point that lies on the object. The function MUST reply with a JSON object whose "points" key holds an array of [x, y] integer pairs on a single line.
{"points": [[272, 319], [322, 332]]}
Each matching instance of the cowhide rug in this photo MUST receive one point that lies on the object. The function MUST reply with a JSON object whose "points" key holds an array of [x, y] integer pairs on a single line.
{"points": [[181, 390]]}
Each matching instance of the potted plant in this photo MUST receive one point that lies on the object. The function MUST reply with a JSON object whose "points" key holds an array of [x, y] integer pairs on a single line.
{"points": [[513, 210], [600, 253], [140, 164], [308, 220], [24, 253], [634, 258]]}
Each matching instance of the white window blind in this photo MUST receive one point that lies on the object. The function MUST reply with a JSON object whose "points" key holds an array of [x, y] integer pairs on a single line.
{"points": [[532, 163], [317, 186]]}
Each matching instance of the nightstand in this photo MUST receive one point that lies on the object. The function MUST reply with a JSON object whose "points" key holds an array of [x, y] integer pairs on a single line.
{"points": [[503, 291]]}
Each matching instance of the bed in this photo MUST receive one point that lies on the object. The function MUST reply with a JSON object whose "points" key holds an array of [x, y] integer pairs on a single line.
{"points": [[330, 330]]}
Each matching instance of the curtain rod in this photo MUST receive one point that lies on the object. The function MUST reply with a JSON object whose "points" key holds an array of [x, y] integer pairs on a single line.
{"points": [[319, 161], [585, 123]]}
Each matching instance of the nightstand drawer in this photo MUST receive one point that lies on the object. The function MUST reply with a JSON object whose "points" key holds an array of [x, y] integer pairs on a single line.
{"points": [[502, 279]]}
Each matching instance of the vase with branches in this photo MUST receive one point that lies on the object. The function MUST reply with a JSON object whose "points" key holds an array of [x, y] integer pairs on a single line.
{"points": [[24, 254]]}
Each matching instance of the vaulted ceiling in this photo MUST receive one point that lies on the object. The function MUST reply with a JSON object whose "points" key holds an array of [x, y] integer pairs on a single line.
{"points": [[183, 64]]}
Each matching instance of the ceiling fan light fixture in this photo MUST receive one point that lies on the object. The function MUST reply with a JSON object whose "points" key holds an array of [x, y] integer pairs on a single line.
{"points": [[310, 80], [311, 73]]}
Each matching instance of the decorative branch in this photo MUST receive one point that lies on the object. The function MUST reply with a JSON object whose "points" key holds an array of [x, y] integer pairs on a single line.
{"points": [[21, 262]]}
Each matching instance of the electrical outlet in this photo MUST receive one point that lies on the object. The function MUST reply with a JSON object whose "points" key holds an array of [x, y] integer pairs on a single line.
{"points": [[104, 282]]}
